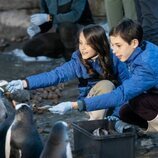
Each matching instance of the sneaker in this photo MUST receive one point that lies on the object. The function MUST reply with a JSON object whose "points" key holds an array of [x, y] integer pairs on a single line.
{"points": [[153, 125]]}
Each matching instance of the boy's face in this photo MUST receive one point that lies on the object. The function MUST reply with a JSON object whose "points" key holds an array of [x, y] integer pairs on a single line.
{"points": [[121, 48], [86, 50]]}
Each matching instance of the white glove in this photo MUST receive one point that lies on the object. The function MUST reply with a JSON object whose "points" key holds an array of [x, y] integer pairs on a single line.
{"points": [[121, 126], [33, 30], [14, 86], [39, 19], [61, 108], [112, 118]]}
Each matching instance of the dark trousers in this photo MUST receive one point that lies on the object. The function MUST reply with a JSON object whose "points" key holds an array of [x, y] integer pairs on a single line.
{"points": [[53, 44], [147, 13], [140, 109]]}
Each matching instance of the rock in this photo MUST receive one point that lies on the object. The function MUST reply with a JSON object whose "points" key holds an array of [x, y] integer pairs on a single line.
{"points": [[18, 4], [15, 18], [3, 43]]}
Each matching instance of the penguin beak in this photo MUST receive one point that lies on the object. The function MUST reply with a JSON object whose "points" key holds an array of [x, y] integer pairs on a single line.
{"points": [[14, 103]]}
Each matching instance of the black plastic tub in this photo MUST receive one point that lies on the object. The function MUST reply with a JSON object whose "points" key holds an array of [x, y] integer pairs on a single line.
{"points": [[114, 145]]}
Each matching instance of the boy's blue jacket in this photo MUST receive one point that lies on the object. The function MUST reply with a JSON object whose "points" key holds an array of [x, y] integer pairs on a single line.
{"points": [[72, 70], [143, 76]]}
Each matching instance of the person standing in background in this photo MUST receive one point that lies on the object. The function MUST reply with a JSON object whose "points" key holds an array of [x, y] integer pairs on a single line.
{"points": [[53, 31], [116, 10], [147, 13]]}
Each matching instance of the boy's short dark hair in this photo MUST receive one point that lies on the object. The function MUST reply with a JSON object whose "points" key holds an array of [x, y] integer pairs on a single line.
{"points": [[128, 30]]}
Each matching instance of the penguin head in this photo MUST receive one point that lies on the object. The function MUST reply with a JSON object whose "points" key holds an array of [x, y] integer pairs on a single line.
{"points": [[59, 132], [21, 106], [24, 112]]}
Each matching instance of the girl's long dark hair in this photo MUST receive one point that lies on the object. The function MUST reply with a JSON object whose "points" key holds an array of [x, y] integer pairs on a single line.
{"points": [[96, 37]]}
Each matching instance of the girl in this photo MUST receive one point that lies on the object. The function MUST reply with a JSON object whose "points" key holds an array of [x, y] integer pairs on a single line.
{"points": [[93, 64]]}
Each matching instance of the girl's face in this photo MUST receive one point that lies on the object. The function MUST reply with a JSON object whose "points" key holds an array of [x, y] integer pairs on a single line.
{"points": [[86, 50], [121, 48]]}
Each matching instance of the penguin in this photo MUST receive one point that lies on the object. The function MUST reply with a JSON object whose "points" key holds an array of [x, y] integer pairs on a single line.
{"points": [[23, 139], [6, 119], [57, 145], [7, 113]]}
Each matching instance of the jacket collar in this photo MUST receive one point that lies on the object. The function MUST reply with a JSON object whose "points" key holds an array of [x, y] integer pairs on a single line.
{"points": [[136, 52]]}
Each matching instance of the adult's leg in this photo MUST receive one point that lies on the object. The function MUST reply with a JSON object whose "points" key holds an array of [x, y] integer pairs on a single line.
{"points": [[129, 9], [101, 87], [68, 35], [138, 11], [45, 44], [114, 12], [149, 11]]}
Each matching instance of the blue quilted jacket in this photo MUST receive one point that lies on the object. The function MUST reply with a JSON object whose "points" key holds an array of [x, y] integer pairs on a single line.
{"points": [[74, 69], [143, 76]]}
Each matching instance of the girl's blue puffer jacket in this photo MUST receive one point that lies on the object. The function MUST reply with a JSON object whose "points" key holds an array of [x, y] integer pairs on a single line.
{"points": [[72, 70]]}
